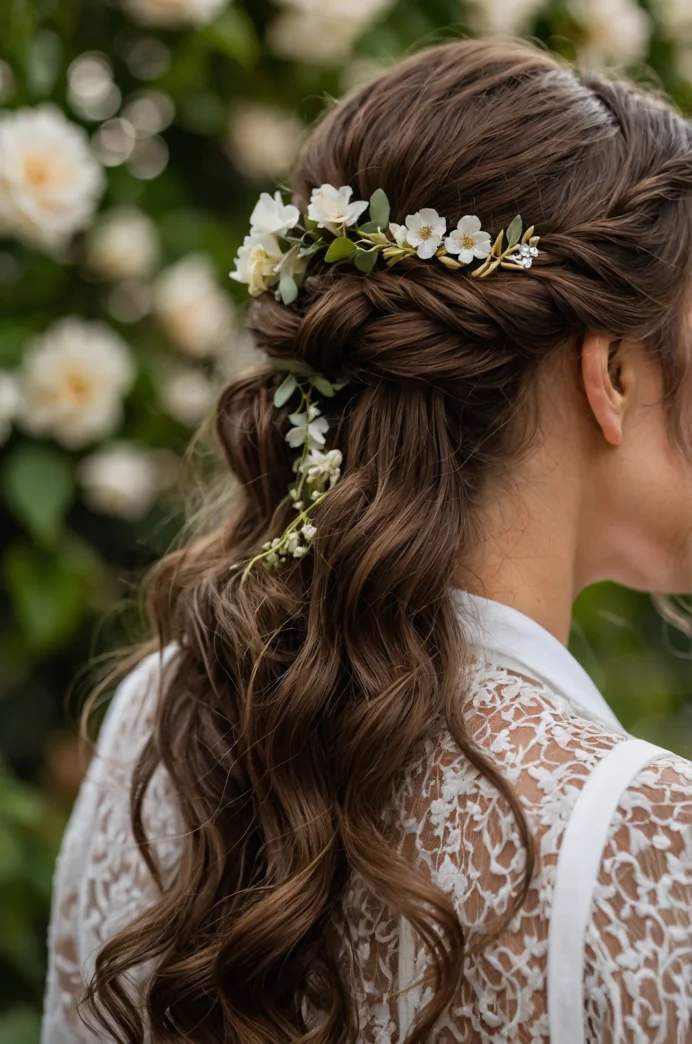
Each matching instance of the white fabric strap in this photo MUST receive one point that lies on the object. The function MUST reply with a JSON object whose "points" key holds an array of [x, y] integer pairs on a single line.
{"points": [[407, 1002], [576, 876]]}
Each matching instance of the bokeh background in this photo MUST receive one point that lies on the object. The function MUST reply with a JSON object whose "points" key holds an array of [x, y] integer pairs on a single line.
{"points": [[134, 138]]}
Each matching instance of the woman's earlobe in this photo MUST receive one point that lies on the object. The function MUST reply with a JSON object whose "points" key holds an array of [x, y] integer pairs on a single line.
{"points": [[602, 376]]}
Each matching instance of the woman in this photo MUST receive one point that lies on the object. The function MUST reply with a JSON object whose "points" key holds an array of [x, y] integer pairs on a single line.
{"points": [[373, 796]]}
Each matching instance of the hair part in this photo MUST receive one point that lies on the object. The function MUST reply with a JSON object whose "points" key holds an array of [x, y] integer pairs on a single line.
{"points": [[298, 699]]}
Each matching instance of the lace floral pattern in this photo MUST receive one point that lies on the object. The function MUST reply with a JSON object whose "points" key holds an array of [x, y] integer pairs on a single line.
{"points": [[456, 828]]}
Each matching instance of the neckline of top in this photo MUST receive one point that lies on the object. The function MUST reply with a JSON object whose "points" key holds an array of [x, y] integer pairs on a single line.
{"points": [[512, 640]]}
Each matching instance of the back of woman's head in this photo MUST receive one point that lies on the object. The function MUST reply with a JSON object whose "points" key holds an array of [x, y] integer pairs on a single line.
{"points": [[299, 696]]}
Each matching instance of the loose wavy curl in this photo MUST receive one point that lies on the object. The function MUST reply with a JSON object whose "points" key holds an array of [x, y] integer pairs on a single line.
{"points": [[296, 701]]}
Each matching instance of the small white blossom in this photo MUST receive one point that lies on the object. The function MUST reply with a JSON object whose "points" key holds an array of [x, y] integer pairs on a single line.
{"points": [[173, 13], [272, 216], [468, 241], [310, 426], [425, 231], [73, 381], [190, 305], [263, 140], [123, 244], [10, 402], [299, 551], [50, 182], [186, 395], [309, 531], [257, 262], [119, 480], [400, 233], [331, 207], [323, 467]]}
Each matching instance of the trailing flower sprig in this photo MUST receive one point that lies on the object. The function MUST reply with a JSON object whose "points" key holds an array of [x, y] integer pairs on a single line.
{"points": [[278, 249], [317, 469]]}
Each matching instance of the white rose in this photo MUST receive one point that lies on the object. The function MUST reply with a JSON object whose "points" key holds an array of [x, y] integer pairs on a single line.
{"points": [[263, 140], [10, 401], [323, 31], [273, 216], [187, 395], [256, 263], [119, 480], [331, 207], [50, 182], [503, 16], [193, 310], [173, 13], [73, 380], [617, 31], [123, 244]]}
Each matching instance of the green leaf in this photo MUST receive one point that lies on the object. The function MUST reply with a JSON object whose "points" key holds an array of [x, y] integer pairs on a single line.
{"points": [[233, 34], [38, 484], [514, 231], [369, 226], [288, 289], [43, 62], [379, 208], [309, 224], [323, 386], [297, 419], [341, 249], [285, 390], [365, 260]]}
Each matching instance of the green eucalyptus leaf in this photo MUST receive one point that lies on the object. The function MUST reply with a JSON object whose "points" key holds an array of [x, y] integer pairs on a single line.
{"points": [[341, 249], [323, 386], [298, 419], [514, 231], [285, 390], [369, 226], [365, 260], [288, 290], [379, 208]]}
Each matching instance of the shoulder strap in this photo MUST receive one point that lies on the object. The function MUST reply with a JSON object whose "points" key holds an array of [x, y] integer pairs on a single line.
{"points": [[576, 875]]}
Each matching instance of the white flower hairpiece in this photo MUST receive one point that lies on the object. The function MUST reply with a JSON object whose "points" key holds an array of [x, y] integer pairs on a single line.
{"points": [[317, 469], [279, 246], [276, 253]]}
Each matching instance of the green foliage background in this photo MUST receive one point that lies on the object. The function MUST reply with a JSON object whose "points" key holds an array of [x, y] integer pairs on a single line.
{"points": [[63, 566]]}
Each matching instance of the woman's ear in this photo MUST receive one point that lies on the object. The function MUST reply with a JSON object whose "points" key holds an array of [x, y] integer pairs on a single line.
{"points": [[608, 379]]}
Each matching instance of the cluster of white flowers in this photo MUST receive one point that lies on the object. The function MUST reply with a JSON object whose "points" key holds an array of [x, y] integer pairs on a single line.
{"points": [[323, 32], [616, 31], [191, 307], [263, 140], [425, 230], [317, 470], [50, 182], [278, 247], [260, 257], [123, 244], [173, 13], [73, 380]]}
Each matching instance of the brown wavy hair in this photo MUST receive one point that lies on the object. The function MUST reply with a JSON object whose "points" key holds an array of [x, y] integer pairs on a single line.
{"points": [[297, 699]]}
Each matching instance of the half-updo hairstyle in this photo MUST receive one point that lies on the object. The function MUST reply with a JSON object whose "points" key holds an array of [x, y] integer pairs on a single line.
{"points": [[297, 698]]}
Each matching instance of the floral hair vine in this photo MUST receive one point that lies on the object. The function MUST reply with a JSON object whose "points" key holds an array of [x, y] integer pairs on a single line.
{"points": [[280, 245], [276, 254]]}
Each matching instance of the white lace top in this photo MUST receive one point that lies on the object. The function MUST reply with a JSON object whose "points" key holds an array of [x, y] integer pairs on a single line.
{"points": [[601, 952]]}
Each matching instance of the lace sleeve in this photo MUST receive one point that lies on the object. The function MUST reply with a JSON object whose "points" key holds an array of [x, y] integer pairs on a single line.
{"points": [[101, 881], [638, 962]]}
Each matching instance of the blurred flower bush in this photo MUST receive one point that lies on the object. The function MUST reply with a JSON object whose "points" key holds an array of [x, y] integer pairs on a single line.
{"points": [[134, 138]]}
